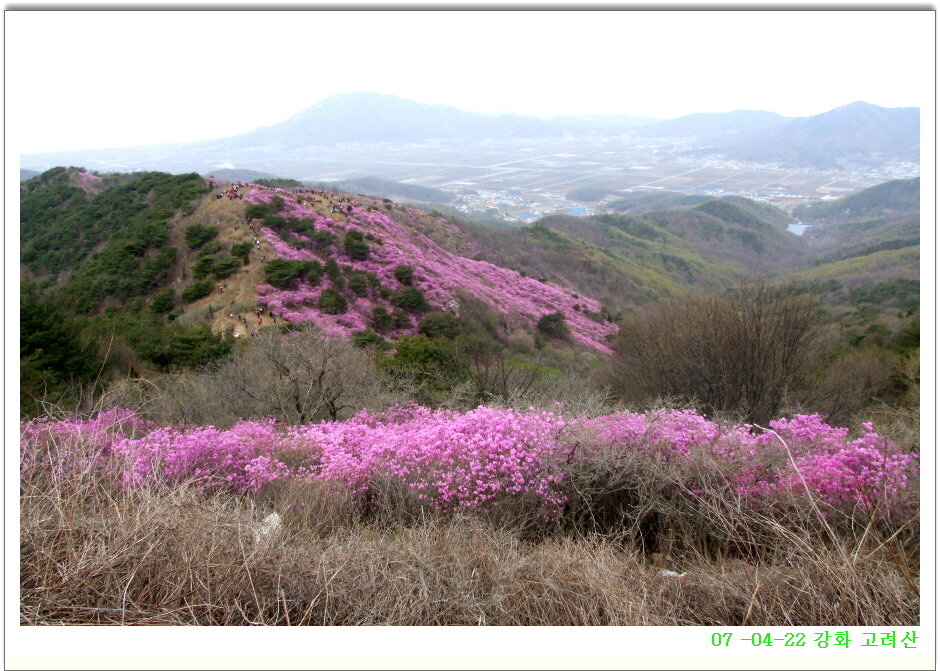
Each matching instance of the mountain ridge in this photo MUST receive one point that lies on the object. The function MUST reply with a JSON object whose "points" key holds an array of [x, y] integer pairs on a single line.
{"points": [[843, 136], [712, 126], [900, 196]]}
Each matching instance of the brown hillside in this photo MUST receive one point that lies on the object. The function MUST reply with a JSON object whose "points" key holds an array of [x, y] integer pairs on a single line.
{"points": [[237, 295]]}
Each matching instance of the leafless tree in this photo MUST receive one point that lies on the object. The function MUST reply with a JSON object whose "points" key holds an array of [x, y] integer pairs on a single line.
{"points": [[299, 376]]}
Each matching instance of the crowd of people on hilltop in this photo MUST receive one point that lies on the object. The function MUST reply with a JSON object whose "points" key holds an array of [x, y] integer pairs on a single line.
{"points": [[340, 205], [305, 197], [232, 192]]}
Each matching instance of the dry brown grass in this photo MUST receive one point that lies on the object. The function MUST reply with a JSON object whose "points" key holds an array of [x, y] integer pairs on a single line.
{"points": [[93, 555]]}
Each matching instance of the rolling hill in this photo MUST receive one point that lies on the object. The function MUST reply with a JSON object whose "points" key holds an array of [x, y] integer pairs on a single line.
{"points": [[639, 202], [883, 217], [175, 264], [169, 267], [631, 260], [899, 197], [375, 186], [172, 259], [239, 175], [865, 251]]}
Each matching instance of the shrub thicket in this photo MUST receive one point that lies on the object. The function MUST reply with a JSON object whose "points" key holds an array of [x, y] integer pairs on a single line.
{"points": [[281, 273], [203, 266], [491, 515], [322, 239], [358, 283], [404, 274], [242, 251], [164, 301], [369, 338], [53, 353], [355, 246], [553, 325], [225, 267], [381, 320], [439, 325], [739, 351]]}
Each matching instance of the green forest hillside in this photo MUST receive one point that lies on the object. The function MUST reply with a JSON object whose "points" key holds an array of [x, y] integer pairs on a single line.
{"points": [[97, 249], [865, 258]]}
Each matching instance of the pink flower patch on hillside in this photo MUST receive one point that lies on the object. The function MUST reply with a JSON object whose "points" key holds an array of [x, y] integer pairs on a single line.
{"points": [[438, 273], [87, 182], [282, 250]]}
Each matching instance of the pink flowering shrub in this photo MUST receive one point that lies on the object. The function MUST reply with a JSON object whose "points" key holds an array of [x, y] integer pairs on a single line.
{"points": [[669, 434], [452, 460], [455, 460], [840, 471], [300, 305]]}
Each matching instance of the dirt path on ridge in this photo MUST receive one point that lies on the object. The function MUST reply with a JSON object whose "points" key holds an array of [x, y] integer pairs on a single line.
{"points": [[237, 295]]}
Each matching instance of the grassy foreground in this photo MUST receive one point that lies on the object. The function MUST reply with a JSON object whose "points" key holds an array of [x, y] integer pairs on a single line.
{"points": [[95, 552]]}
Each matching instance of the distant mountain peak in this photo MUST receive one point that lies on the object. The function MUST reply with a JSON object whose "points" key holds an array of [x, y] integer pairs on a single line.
{"points": [[365, 116], [858, 104], [862, 107]]}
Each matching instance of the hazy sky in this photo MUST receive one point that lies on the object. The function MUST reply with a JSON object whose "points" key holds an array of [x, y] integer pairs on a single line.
{"points": [[78, 80]]}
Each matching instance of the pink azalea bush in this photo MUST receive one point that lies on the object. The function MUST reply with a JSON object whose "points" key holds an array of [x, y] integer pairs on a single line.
{"points": [[465, 460], [842, 471], [438, 274], [237, 458]]}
